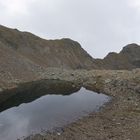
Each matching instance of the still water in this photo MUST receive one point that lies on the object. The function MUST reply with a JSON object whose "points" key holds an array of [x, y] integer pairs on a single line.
{"points": [[48, 112]]}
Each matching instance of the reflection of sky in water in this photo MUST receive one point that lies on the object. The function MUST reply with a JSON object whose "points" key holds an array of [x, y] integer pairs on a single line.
{"points": [[48, 112]]}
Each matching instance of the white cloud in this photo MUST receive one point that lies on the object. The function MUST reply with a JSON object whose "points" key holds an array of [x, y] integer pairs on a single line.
{"points": [[135, 3], [15, 7]]}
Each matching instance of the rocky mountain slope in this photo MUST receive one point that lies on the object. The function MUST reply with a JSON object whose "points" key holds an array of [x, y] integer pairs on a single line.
{"points": [[128, 58], [46, 53], [23, 55]]}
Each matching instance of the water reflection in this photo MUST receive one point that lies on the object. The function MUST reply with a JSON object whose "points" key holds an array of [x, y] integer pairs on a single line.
{"points": [[47, 112], [31, 91]]}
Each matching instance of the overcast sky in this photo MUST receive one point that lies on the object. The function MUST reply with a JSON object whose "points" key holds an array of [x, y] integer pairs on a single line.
{"points": [[100, 26]]}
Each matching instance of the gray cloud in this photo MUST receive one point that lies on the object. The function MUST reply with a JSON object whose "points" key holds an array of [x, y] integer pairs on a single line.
{"points": [[100, 26]]}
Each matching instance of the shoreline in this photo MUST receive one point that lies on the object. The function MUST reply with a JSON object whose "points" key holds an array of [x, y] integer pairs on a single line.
{"points": [[113, 121], [118, 120], [59, 130]]}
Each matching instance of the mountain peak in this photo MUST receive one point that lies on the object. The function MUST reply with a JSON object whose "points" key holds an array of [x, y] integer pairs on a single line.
{"points": [[130, 48]]}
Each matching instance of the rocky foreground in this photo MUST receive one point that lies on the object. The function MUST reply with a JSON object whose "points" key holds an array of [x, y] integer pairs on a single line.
{"points": [[118, 120]]}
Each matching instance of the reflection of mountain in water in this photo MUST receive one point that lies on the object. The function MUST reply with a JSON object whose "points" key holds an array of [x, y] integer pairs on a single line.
{"points": [[29, 92]]}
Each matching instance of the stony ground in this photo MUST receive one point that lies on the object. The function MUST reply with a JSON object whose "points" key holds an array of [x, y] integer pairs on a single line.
{"points": [[118, 120]]}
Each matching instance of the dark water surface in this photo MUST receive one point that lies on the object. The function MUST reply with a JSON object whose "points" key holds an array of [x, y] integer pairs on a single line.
{"points": [[47, 112]]}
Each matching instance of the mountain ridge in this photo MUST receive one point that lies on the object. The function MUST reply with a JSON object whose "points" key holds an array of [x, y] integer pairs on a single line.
{"points": [[128, 58], [60, 53]]}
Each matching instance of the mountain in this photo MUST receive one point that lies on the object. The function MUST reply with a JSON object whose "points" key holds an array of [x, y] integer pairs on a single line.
{"points": [[24, 55], [46, 53], [128, 58]]}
